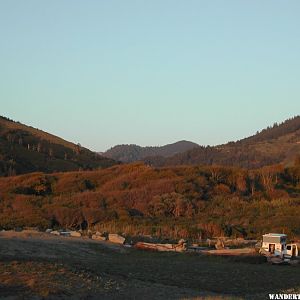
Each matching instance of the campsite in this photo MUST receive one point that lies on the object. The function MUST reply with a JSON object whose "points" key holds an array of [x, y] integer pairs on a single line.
{"points": [[50, 266], [150, 150]]}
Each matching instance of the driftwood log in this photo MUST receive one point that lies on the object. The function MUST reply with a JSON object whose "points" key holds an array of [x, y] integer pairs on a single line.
{"points": [[116, 238], [180, 247]]}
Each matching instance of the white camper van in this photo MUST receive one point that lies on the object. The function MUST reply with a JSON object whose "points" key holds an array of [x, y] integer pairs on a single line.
{"points": [[274, 244]]}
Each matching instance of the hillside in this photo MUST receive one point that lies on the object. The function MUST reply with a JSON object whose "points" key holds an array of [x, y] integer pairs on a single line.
{"points": [[277, 144], [131, 153], [24, 149], [174, 202]]}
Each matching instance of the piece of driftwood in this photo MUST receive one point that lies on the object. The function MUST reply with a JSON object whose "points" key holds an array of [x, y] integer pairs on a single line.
{"points": [[180, 247], [230, 252], [55, 232], [98, 237], [116, 238], [75, 234]]}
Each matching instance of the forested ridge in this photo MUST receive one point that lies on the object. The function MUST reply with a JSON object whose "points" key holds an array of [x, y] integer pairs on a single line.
{"points": [[279, 143], [131, 153]]}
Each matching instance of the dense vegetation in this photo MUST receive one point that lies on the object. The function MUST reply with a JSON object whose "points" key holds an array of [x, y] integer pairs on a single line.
{"points": [[186, 201], [277, 144], [24, 149], [131, 153], [178, 201]]}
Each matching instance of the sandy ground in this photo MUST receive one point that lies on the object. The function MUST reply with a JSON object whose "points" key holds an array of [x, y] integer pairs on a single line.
{"points": [[43, 266]]}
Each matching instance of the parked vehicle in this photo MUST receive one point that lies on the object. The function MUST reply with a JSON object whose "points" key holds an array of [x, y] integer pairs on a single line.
{"points": [[274, 244], [275, 248]]}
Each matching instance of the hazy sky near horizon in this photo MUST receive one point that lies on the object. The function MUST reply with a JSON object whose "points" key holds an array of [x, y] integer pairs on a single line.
{"points": [[149, 72]]}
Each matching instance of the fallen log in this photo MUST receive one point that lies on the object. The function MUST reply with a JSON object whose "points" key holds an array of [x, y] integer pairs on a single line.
{"points": [[75, 234], [98, 237], [230, 252], [55, 232], [161, 247], [116, 238]]}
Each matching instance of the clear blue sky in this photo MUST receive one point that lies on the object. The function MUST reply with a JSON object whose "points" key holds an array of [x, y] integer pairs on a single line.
{"points": [[149, 72]]}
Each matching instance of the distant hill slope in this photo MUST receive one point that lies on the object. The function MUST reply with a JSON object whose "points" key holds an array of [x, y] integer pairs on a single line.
{"points": [[24, 149], [277, 144], [131, 153]]}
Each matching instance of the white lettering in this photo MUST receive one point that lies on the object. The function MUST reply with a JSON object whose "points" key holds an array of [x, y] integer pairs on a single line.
{"points": [[284, 296]]}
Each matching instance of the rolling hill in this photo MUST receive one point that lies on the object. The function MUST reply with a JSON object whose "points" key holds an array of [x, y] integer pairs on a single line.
{"points": [[279, 143], [131, 153], [24, 149], [174, 202]]}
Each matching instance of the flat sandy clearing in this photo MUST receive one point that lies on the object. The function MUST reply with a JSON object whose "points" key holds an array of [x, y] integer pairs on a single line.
{"points": [[41, 266]]}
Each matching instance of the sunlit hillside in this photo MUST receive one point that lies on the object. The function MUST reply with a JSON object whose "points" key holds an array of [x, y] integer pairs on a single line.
{"points": [[173, 202], [24, 149]]}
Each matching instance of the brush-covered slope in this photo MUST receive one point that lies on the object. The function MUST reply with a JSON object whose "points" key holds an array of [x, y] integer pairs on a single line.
{"points": [[178, 202], [131, 153], [277, 144], [24, 149]]}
